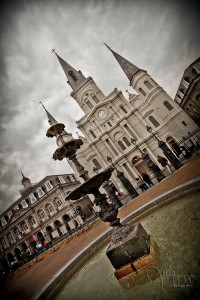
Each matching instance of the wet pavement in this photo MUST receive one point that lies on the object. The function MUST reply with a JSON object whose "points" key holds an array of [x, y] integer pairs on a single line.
{"points": [[26, 283]]}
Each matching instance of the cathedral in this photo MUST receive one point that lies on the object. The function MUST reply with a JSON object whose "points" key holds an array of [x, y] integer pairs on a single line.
{"points": [[115, 130], [111, 123]]}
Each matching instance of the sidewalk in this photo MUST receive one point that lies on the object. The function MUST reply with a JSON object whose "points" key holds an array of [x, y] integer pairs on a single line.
{"points": [[26, 285]]}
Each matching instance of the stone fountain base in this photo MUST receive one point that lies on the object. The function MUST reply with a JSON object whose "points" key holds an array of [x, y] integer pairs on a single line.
{"points": [[130, 250]]}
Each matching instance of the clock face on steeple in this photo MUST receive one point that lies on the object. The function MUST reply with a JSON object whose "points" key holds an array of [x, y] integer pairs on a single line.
{"points": [[102, 114]]}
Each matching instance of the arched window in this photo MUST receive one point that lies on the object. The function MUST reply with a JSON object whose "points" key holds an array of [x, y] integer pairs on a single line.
{"points": [[142, 91], [10, 238], [49, 208], [154, 121], [126, 141], [24, 226], [110, 125], [89, 104], [17, 232], [93, 134], [121, 145], [168, 105], [4, 243], [148, 84], [32, 221], [96, 100], [123, 109], [96, 163], [41, 214], [57, 202], [72, 75]]}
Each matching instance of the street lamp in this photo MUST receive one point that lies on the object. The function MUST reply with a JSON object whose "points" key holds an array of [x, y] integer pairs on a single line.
{"points": [[125, 182], [166, 151], [150, 164]]}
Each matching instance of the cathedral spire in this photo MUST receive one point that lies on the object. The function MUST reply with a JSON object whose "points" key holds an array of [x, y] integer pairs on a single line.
{"points": [[75, 78], [129, 69], [51, 119]]}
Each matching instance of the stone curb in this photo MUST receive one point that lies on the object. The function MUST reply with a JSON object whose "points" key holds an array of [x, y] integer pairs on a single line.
{"points": [[54, 282]]}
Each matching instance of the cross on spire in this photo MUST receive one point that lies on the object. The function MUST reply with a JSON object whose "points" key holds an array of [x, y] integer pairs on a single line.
{"points": [[53, 50]]}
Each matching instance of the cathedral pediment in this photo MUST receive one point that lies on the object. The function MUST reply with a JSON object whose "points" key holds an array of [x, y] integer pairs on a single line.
{"points": [[17, 214]]}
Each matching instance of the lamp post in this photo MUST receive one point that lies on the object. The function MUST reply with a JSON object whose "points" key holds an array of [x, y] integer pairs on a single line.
{"points": [[166, 151], [125, 182], [150, 164]]}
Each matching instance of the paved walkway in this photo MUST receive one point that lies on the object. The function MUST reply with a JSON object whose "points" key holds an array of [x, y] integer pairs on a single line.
{"points": [[25, 285]]}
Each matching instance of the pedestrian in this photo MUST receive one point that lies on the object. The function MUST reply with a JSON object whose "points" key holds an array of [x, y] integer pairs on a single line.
{"points": [[147, 179], [45, 244], [186, 153], [141, 184], [164, 163]]}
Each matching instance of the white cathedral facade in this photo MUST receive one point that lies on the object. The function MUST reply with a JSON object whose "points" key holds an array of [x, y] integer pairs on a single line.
{"points": [[111, 122]]}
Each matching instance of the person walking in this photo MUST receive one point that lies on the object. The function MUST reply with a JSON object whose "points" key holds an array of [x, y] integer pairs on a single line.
{"points": [[164, 163], [141, 184], [147, 179]]}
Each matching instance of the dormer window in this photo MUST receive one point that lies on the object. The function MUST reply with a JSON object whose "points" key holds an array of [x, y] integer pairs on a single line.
{"points": [[48, 185], [3, 221], [32, 198], [40, 192], [72, 178], [24, 203], [61, 179], [72, 75]]}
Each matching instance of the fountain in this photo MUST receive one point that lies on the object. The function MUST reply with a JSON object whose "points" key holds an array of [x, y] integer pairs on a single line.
{"points": [[175, 275], [130, 248]]}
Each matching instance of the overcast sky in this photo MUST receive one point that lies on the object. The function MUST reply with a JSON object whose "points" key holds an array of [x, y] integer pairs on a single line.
{"points": [[161, 37]]}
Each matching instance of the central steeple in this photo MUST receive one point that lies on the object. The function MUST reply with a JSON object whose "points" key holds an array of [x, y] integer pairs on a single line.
{"points": [[129, 69], [75, 78]]}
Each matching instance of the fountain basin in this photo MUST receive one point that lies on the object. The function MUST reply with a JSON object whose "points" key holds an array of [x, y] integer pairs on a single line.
{"points": [[57, 279], [175, 227]]}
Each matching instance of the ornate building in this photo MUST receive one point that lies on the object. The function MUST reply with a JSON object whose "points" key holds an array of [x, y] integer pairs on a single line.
{"points": [[41, 213], [188, 94], [111, 122]]}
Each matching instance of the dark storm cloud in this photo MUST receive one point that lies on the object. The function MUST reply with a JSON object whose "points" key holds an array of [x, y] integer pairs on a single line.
{"points": [[158, 36]]}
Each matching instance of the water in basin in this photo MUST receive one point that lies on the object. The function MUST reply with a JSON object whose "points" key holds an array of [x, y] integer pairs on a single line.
{"points": [[175, 228]]}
